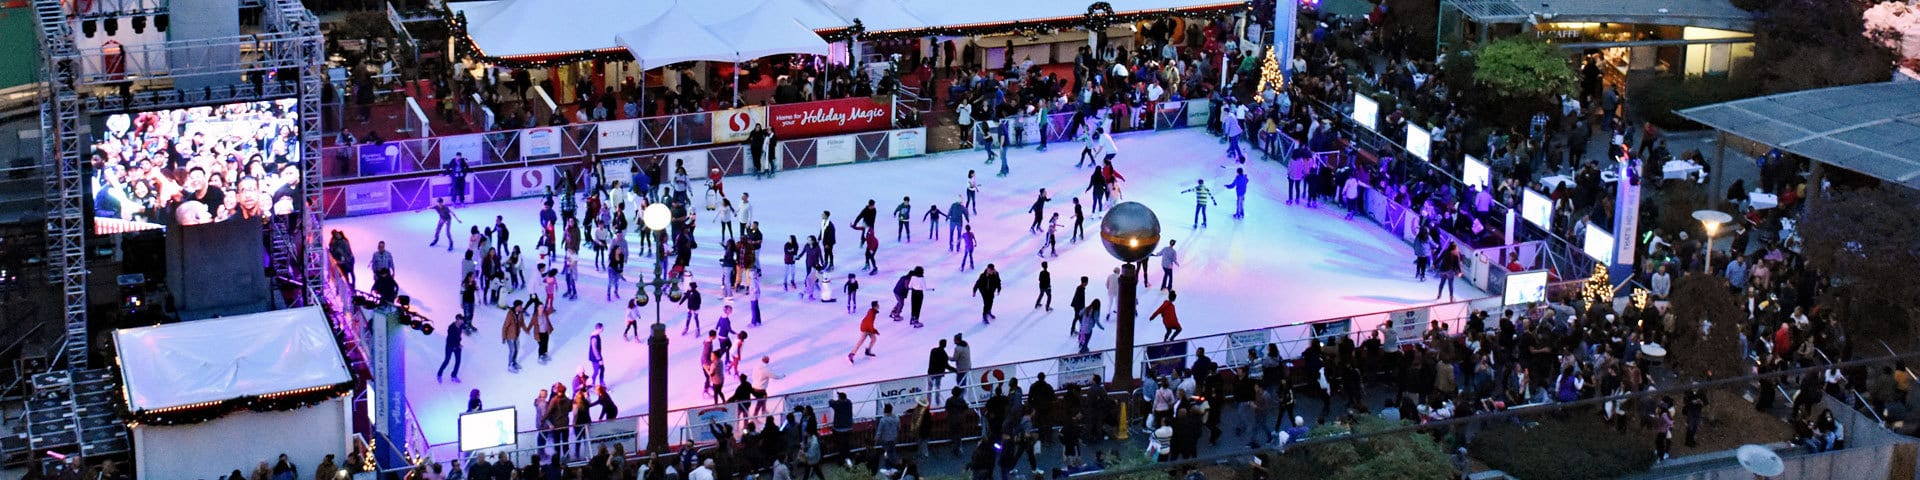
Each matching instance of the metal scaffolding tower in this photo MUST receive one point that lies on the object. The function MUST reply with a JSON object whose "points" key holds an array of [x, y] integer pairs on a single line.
{"points": [[287, 44]]}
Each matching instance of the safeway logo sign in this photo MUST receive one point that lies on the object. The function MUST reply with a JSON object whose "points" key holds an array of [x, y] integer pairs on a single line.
{"points": [[832, 116], [734, 125], [533, 178]]}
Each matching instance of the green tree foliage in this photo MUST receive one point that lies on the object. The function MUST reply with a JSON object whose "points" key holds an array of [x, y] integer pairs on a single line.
{"points": [[1803, 44], [1865, 238], [1698, 299], [1410, 456], [1522, 67]]}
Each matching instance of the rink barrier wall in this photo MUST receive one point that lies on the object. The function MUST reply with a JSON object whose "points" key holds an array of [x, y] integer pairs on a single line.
{"points": [[690, 427], [417, 191]]}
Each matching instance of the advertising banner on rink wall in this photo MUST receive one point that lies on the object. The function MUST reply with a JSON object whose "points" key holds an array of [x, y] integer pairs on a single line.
{"points": [[828, 117], [539, 142], [619, 135], [910, 142], [734, 125]]}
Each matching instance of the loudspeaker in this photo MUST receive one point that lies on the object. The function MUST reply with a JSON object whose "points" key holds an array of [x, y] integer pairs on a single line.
{"points": [[113, 26]]}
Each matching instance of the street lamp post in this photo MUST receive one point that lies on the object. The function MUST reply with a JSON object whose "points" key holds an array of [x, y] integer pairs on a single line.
{"points": [[657, 217], [1130, 232], [1711, 219]]}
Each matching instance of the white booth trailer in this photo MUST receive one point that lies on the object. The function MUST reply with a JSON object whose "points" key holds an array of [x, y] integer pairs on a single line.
{"points": [[228, 370]]}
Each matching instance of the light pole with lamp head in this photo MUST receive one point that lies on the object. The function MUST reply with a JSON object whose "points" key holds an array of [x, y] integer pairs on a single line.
{"points": [[1711, 219], [657, 217], [1130, 232]]}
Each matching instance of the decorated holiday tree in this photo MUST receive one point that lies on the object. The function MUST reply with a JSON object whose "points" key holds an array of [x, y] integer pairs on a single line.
{"points": [[1270, 76], [1599, 287]]}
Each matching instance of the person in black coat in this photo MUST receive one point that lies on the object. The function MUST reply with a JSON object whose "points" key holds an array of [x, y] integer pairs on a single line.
{"points": [[986, 287], [938, 364], [1041, 399]]}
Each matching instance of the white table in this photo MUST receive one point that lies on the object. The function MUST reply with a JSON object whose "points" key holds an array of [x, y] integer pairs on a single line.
{"points": [[1554, 182], [1679, 169], [1762, 201]]}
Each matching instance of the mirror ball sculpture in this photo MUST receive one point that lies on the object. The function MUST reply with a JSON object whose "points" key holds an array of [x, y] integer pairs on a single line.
{"points": [[1131, 231]]}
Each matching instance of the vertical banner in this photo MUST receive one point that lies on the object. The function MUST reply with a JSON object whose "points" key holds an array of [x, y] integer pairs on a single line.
{"points": [[619, 135], [910, 142], [734, 125], [1080, 369], [470, 147], [829, 117], [1626, 214], [539, 142]]}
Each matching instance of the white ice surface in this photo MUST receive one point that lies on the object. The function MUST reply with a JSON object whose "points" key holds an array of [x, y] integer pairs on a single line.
{"points": [[1282, 264]]}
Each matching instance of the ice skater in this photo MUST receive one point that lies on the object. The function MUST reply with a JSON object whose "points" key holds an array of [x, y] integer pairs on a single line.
{"points": [[1239, 187], [1168, 317], [1078, 303], [973, 191], [986, 286], [826, 240], [816, 264], [634, 313], [1169, 259], [1097, 185], [1039, 210], [918, 294], [869, 335], [956, 218], [510, 334], [446, 219], [966, 244], [1079, 220], [852, 289], [692, 300], [933, 216], [790, 251], [903, 214], [1050, 246], [596, 357], [571, 270], [870, 245], [1448, 268], [1087, 319], [1113, 292], [899, 296], [1046, 288], [452, 353], [1201, 197]]}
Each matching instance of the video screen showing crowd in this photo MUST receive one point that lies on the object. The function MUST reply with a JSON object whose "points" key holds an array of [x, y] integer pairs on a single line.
{"points": [[191, 166]]}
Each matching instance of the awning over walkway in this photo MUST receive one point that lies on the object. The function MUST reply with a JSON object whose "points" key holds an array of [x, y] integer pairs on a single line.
{"points": [[1873, 129]]}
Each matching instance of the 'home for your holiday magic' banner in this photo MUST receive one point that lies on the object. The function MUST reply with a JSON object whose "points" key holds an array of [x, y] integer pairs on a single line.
{"points": [[828, 117]]}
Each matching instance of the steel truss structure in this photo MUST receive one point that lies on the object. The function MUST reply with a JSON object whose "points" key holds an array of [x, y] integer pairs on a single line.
{"points": [[288, 42]]}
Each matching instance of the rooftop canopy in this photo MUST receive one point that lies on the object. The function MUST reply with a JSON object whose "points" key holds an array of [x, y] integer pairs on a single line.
{"points": [[192, 363], [1873, 129], [1720, 14]]}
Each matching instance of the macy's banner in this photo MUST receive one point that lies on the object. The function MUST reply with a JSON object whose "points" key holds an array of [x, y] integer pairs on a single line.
{"points": [[828, 117]]}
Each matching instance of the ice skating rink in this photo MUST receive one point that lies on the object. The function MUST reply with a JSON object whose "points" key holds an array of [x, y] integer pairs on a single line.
{"points": [[1281, 264]]}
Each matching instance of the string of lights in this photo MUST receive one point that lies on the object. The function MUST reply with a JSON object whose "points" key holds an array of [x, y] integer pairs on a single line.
{"points": [[209, 411]]}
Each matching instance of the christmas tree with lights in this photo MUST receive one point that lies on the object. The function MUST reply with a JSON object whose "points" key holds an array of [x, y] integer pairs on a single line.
{"points": [[1270, 76], [1599, 287]]}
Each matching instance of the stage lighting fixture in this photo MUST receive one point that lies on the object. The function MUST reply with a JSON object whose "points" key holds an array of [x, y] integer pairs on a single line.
{"points": [[160, 22], [113, 26], [89, 26], [140, 24]]}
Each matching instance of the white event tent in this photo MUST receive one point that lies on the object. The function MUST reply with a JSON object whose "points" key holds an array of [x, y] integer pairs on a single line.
{"points": [[187, 368], [534, 28]]}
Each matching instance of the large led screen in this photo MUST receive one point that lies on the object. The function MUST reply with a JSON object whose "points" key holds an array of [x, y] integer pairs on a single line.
{"points": [[1525, 288], [1475, 173], [1365, 111], [195, 165], [1419, 142], [1536, 208], [1599, 244], [488, 428]]}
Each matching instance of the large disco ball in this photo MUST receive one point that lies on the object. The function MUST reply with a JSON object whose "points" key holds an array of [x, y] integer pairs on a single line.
{"points": [[1131, 231]]}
